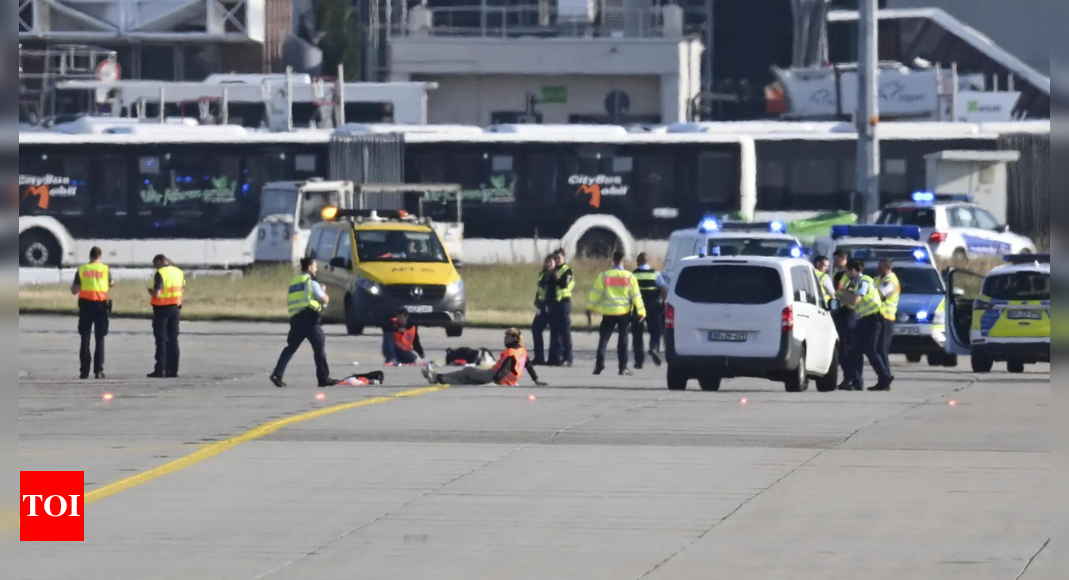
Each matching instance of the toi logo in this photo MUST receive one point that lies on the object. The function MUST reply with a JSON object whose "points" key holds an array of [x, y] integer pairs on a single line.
{"points": [[53, 506]]}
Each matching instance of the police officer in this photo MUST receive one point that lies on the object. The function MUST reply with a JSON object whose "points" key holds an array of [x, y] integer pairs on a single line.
{"points": [[544, 291], [617, 298], [864, 298], [306, 301], [890, 291], [654, 290], [840, 258], [845, 318], [91, 285], [560, 313], [166, 292], [827, 285]]}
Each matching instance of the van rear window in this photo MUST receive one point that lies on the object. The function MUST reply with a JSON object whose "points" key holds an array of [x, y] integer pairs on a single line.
{"points": [[1019, 286], [729, 284]]}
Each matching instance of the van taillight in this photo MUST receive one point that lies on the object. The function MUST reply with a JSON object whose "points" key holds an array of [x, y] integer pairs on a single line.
{"points": [[670, 317], [788, 319], [937, 238]]}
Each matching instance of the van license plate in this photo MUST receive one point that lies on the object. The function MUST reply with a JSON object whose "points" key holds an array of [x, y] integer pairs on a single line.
{"points": [[422, 309], [1026, 315], [727, 337], [907, 331]]}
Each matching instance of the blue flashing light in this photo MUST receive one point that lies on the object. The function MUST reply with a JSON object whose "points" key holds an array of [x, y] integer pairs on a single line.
{"points": [[245, 188], [920, 255], [709, 225], [777, 227], [924, 197], [889, 232], [922, 316], [796, 252]]}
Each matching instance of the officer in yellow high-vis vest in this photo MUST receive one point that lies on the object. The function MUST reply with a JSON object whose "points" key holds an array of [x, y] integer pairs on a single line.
{"points": [[560, 313], [890, 292], [615, 296], [306, 301], [167, 291], [864, 299], [91, 285], [545, 290]]}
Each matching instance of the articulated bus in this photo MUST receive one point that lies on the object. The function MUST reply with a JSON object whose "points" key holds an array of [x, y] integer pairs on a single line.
{"points": [[194, 192]]}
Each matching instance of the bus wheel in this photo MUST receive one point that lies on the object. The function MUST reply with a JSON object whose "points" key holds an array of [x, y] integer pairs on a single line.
{"points": [[597, 245], [38, 250]]}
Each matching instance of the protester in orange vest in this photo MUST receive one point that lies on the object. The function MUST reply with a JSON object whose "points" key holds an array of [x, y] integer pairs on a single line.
{"points": [[507, 372], [400, 341], [166, 292], [91, 285]]}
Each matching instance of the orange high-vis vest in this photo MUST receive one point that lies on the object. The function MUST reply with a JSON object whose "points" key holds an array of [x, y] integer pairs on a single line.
{"points": [[404, 340], [95, 282], [513, 378], [174, 283]]}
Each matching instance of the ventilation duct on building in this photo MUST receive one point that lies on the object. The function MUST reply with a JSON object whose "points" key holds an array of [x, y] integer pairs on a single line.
{"points": [[304, 57], [810, 32]]}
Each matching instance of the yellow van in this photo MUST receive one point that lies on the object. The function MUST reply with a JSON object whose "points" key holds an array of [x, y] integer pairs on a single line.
{"points": [[373, 263]]}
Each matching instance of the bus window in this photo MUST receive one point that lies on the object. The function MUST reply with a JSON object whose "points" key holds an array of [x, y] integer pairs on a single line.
{"points": [[814, 183], [717, 180], [656, 180], [111, 200], [233, 207], [543, 174], [56, 185], [172, 196]]}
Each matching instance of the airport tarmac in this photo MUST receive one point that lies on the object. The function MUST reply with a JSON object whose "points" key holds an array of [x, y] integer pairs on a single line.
{"points": [[590, 478]]}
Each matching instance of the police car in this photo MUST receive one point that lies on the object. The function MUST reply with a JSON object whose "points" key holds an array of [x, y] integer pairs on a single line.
{"points": [[713, 237], [861, 241], [1004, 316], [955, 228]]}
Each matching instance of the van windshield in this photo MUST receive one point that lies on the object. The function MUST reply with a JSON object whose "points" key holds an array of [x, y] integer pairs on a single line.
{"points": [[908, 216], [729, 284], [769, 248], [278, 202], [399, 246]]}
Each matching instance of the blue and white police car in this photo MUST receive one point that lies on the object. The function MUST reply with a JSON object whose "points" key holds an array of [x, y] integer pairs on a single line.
{"points": [[955, 227], [714, 237], [920, 328]]}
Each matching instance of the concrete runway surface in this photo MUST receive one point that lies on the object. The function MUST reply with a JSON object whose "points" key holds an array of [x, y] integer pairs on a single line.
{"points": [[596, 478]]}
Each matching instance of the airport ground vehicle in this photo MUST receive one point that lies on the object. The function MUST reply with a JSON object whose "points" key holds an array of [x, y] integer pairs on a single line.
{"points": [[1004, 316], [955, 228], [288, 210], [715, 238], [374, 262], [749, 317]]}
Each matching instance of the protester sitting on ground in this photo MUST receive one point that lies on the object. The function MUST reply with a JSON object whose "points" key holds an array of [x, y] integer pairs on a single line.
{"points": [[507, 372], [400, 341]]}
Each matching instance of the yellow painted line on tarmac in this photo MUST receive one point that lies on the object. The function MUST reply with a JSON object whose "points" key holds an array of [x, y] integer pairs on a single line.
{"points": [[221, 447]]}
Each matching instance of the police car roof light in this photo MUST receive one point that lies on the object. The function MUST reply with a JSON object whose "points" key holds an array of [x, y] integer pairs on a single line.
{"points": [[924, 197], [920, 255], [903, 232], [1022, 259], [373, 214], [708, 224]]}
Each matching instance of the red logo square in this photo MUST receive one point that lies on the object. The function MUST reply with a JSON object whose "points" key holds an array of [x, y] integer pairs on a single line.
{"points": [[53, 506]]}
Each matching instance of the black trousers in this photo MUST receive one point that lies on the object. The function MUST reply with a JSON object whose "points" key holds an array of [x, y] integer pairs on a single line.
{"points": [[846, 326], [92, 322], [867, 341], [560, 332], [165, 321], [655, 325], [610, 324], [885, 341], [306, 326], [538, 330]]}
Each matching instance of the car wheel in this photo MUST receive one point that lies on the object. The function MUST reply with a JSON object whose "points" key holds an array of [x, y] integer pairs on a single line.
{"points": [[38, 250], [454, 331], [913, 358], [830, 381], [960, 257], [799, 380], [1015, 366], [352, 325], [935, 359], [710, 384], [677, 379], [950, 361], [982, 364]]}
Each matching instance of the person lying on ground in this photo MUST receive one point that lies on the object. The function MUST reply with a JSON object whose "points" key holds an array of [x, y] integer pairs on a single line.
{"points": [[507, 372]]}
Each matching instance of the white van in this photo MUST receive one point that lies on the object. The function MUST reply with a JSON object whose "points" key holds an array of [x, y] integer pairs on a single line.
{"points": [[712, 238], [749, 317], [288, 210]]}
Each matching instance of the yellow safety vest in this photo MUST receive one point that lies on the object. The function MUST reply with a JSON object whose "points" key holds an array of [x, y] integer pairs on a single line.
{"points": [[174, 283], [821, 278], [616, 293], [890, 303], [95, 281], [301, 297], [540, 292], [870, 303], [565, 293]]}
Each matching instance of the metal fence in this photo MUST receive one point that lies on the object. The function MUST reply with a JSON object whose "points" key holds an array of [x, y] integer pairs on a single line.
{"points": [[368, 159], [1029, 185], [603, 21]]}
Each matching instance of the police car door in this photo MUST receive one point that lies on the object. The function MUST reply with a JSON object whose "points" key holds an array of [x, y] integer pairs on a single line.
{"points": [[963, 288]]}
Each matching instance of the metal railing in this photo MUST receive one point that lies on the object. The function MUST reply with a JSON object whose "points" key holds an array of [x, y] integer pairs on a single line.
{"points": [[536, 22]]}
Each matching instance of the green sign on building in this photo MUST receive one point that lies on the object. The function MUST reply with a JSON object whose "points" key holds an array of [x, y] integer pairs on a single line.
{"points": [[555, 95]]}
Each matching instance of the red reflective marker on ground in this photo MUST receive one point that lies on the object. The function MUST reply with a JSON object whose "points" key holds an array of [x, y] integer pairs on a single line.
{"points": [[108, 397], [532, 398], [321, 397], [744, 402]]}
